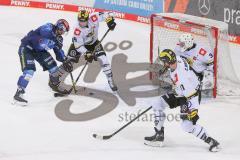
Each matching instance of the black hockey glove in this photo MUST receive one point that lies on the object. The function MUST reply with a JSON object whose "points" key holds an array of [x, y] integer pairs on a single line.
{"points": [[111, 24], [89, 57], [73, 54], [67, 65]]}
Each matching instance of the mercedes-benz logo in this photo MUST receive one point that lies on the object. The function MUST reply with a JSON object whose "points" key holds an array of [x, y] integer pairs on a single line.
{"points": [[204, 6]]}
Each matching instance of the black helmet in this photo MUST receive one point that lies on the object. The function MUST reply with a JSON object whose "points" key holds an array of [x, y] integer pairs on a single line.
{"points": [[167, 56], [83, 16]]}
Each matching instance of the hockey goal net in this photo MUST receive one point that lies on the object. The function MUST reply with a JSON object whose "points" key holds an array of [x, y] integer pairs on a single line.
{"points": [[165, 31]]}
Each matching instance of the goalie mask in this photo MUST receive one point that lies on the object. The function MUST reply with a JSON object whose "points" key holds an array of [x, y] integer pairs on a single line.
{"points": [[186, 41], [83, 17], [167, 56]]}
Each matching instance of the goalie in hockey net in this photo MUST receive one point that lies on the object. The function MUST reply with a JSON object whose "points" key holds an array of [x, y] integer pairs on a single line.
{"points": [[198, 57], [211, 40], [185, 95]]}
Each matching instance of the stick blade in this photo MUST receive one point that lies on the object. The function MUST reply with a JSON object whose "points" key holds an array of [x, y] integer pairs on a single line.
{"points": [[102, 137], [59, 95]]}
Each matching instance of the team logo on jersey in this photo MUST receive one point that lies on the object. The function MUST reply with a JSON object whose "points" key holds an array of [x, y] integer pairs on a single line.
{"points": [[77, 32], [202, 51], [94, 18]]}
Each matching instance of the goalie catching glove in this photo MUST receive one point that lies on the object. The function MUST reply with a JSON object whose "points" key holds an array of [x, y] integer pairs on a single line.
{"points": [[110, 23]]}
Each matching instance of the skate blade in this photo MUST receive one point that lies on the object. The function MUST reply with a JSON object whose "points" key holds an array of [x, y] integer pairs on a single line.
{"points": [[23, 104], [154, 144], [216, 149]]}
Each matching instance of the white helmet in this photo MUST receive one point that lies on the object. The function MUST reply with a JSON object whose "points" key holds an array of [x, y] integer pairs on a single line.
{"points": [[186, 41]]}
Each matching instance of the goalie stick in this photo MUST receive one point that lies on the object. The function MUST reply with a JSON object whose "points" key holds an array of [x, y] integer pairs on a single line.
{"points": [[106, 137]]}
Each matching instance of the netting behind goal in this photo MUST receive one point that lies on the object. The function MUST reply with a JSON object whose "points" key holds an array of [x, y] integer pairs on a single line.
{"points": [[165, 31]]}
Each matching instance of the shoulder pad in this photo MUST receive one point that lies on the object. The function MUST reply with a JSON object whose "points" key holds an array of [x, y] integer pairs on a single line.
{"points": [[48, 26]]}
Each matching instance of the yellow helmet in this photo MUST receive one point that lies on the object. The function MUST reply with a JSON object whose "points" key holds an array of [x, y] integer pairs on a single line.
{"points": [[167, 56], [83, 16]]}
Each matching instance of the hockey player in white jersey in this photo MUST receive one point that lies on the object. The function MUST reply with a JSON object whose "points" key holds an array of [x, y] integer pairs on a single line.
{"points": [[199, 57], [185, 95], [85, 39]]}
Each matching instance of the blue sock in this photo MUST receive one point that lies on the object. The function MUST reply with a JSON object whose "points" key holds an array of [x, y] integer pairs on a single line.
{"points": [[25, 78]]}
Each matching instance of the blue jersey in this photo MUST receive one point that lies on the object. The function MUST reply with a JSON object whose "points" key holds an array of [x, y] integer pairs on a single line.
{"points": [[43, 39]]}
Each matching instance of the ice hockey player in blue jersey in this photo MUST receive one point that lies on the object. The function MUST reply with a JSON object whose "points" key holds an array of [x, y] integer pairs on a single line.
{"points": [[35, 46]]}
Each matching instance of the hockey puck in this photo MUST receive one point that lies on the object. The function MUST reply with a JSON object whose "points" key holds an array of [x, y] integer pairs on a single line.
{"points": [[91, 93], [94, 135]]}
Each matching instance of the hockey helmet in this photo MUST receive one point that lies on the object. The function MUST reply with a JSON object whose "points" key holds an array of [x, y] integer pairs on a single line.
{"points": [[62, 26], [186, 41], [167, 56], [83, 17]]}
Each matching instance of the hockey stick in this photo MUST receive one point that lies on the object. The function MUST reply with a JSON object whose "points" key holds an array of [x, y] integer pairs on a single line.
{"points": [[93, 53], [80, 73], [74, 83], [111, 135]]}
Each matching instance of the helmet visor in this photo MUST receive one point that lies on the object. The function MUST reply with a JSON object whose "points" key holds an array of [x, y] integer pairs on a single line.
{"points": [[62, 30]]}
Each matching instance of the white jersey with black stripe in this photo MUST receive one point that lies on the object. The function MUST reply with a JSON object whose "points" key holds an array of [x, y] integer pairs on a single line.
{"points": [[185, 81], [88, 35]]}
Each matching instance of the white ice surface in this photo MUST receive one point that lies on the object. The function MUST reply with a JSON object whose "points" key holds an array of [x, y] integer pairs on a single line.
{"points": [[35, 133]]}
